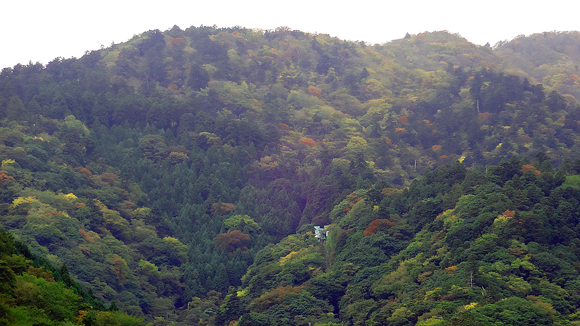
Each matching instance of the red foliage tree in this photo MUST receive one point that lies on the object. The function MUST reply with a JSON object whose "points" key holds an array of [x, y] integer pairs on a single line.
{"points": [[403, 119], [352, 203], [483, 116], [233, 240], [178, 41], [374, 226]]}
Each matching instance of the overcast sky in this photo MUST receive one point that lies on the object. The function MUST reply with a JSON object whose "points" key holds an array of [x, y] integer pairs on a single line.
{"points": [[41, 30]]}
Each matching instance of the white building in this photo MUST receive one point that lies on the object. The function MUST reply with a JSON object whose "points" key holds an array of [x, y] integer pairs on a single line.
{"points": [[321, 232]]}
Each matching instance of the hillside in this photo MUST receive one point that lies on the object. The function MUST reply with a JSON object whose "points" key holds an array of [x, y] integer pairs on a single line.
{"points": [[550, 58], [34, 292], [159, 169], [459, 247]]}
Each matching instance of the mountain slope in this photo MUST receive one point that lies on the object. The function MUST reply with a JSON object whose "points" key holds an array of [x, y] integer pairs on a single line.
{"points": [[494, 247], [158, 168]]}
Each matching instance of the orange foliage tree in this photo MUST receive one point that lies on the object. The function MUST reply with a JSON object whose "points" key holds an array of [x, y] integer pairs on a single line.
{"points": [[403, 119], [86, 236], [374, 226], [79, 205], [388, 141], [109, 178], [436, 148], [509, 213], [84, 172], [4, 177], [309, 141], [530, 167], [119, 266], [233, 240], [314, 91], [451, 269]]}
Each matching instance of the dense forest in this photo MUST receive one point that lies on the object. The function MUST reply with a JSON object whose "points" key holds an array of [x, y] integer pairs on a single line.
{"points": [[177, 178]]}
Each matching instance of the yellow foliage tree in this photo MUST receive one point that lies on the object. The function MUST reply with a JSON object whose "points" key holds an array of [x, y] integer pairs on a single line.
{"points": [[285, 259], [177, 157]]}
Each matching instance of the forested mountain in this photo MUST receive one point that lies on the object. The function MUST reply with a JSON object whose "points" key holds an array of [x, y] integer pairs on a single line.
{"points": [[178, 175]]}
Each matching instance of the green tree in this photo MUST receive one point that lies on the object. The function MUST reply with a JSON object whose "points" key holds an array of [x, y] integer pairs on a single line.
{"points": [[15, 109], [59, 108], [198, 78]]}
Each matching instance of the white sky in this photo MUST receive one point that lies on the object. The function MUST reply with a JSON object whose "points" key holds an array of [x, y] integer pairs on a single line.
{"points": [[41, 30]]}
